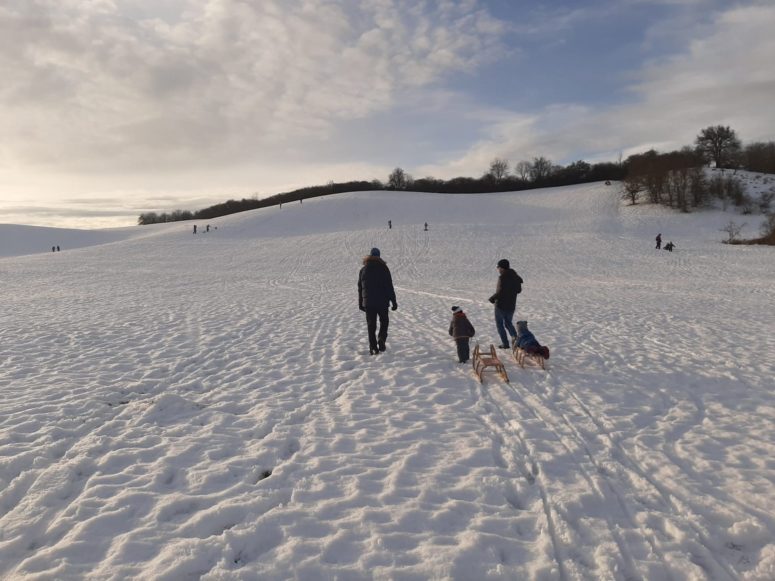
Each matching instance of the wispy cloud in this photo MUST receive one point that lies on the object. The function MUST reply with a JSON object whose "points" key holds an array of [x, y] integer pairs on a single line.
{"points": [[100, 84], [724, 76]]}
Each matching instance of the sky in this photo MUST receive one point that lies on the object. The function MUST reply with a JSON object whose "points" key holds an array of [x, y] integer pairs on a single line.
{"points": [[110, 108]]}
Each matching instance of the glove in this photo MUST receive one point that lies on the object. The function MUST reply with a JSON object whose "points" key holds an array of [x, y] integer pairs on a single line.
{"points": [[361, 307], [394, 307]]}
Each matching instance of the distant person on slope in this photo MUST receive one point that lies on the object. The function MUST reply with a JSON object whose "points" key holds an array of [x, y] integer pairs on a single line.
{"points": [[375, 292], [669, 246], [505, 301], [659, 241]]}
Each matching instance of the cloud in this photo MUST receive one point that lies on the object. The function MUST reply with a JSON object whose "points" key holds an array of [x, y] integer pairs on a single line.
{"points": [[724, 76], [94, 85], [202, 100]]}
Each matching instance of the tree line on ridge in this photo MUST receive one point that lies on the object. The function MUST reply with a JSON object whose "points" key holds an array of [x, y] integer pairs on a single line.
{"points": [[675, 179]]}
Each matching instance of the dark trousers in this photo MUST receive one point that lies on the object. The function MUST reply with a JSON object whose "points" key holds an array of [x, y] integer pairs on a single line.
{"points": [[503, 323], [371, 325], [463, 352]]}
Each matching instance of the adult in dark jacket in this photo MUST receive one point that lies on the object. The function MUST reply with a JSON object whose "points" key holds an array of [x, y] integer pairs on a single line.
{"points": [[375, 293], [505, 301]]}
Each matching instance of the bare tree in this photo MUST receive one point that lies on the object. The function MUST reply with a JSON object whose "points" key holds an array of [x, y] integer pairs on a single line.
{"points": [[698, 186], [632, 187], [398, 180], [718, 144], [678, 184], [499, 169], [540, 169], [733, 231], [768, 226], [522, 170]]}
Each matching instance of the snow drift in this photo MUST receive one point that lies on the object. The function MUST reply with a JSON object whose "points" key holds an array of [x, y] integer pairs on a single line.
{"points": [[203, 406]]}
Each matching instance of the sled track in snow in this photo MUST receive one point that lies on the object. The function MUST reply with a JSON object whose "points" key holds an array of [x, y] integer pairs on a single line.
{"points": [[523, 458], [563, 428]]}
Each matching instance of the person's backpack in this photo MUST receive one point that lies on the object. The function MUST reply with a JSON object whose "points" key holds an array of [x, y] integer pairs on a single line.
{"points": [[519, 284]]}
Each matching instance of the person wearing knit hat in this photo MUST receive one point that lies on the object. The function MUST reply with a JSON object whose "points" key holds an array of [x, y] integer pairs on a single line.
{"points": [[461, 331], [505, 301], [375, 294]]}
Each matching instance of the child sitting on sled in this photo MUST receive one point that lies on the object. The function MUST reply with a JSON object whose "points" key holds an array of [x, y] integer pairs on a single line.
{"points": [[461, 330], [526, 341]]}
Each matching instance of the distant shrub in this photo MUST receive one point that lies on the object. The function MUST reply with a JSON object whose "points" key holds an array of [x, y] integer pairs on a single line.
{"points": [[768, 226], [767, 230], [735, 190], [765, 201], [759, 157], [732, 230]]}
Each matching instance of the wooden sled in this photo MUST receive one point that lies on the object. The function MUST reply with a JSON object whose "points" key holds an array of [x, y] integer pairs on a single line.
{"points": [[521, 355], [484, 361]]}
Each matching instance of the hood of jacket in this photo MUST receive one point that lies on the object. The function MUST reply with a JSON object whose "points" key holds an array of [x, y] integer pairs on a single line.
{"points": [[372, 260]]}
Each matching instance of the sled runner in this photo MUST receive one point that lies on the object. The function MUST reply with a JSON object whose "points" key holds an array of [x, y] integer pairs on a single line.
{"points": [[483, 361], [521, 355]]}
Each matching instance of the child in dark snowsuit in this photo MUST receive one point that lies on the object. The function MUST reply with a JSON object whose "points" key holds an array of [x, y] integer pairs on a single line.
{"points": [[461, 330], [527, 341]]}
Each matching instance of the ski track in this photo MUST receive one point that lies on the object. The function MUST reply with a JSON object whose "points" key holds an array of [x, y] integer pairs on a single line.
{"points": [[222, 418]]}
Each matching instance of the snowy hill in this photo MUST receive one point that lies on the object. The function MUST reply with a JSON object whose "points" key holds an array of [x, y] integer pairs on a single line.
{"points": [[20, 240], [203, 406]]}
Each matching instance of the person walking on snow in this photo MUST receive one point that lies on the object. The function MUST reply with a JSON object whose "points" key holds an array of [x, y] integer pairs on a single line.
{"points": [[659, 241], [461, 330], [375, 293], [505, 301]]}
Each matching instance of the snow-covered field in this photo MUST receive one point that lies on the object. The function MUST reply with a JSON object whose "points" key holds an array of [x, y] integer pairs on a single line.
{"points": [[204, 407]]}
